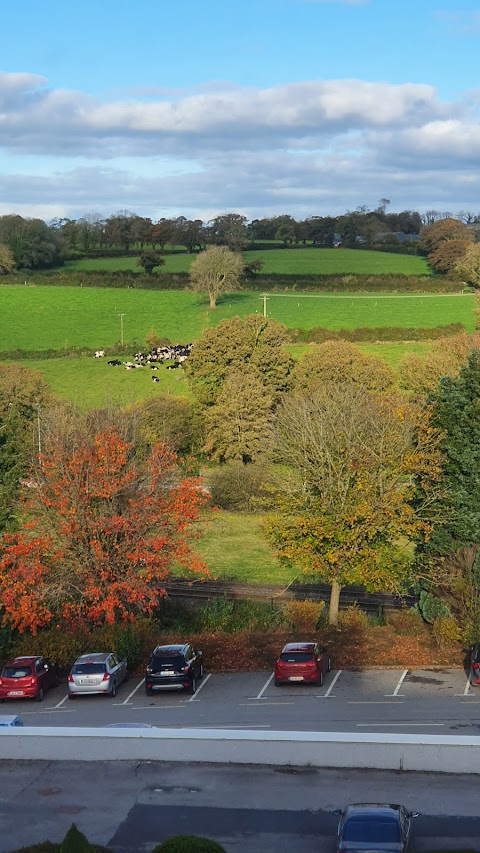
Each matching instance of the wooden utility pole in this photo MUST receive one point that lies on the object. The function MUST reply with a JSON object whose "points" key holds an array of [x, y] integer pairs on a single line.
{"points": [[264, 296]]}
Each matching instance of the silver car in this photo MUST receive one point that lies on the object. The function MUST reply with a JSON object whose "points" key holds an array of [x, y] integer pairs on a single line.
{"points": [[101, 672]]}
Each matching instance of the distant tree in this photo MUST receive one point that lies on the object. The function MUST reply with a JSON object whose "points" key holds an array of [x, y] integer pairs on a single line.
{"points": [[448, 255], [286, 233], [7, 261], [239, 424], [253, 267], [149, 260], [421, 374], [253, 343], [467, 267], [230, 230], [34, 244], [341, 361], [75, 842], [432, 236], [162, 232], [170, 420], [216, 270]]}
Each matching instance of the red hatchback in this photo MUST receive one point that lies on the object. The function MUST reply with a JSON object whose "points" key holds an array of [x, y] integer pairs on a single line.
{"points": [[305, 663], [27, 678]]}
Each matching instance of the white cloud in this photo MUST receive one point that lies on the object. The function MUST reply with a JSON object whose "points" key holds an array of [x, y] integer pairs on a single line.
{"points": [[307, 147]]}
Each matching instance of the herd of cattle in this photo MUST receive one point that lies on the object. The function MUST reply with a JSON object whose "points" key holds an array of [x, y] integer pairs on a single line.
{"points": [[176, 354]]}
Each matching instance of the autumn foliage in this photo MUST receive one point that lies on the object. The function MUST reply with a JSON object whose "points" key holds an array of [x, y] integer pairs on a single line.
{"points": [[104, 529]]}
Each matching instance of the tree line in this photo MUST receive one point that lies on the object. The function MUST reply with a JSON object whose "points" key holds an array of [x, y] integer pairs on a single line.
{"points": [[35, 244]]}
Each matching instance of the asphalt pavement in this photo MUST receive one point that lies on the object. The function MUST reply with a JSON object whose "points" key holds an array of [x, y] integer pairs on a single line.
{"points": [[132, 806], [417, 701]]}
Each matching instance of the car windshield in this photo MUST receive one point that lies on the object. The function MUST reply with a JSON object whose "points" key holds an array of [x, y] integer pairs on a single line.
{"points": [[159, 662], [296, 657], [368, 830], [16, 671], [89, 668]]}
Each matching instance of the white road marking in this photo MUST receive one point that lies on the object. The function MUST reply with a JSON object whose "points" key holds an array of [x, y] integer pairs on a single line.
{"points": [[466, 692], [263, 704], [401, 680], [130, 694], [50, 710], [372, 702], [154, 707], [376, 725], [204, 681], [262, 691], [61, 703], [327, 694]]}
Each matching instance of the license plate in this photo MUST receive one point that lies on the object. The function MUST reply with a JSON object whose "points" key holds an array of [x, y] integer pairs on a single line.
{"points": [[296, 678], [87, 681], [15, 692], [167, 672]]}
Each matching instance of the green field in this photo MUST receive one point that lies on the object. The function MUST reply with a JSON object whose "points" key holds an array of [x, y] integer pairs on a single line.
{"points": [[287, 262], [36, 318]]}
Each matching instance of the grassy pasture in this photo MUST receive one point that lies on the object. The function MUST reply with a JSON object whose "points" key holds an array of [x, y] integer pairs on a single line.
{"points": [[286, 261], [35, 318]]}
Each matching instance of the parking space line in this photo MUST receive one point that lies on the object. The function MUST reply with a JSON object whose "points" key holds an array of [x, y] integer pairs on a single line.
{"points": [[50, 710], [466, 692], [130, 694], [61, 703], [377, 725], [262, 691], [194, 699], [401, 680], [372, 702], [154, 707], [328, 693], [263, 704]]}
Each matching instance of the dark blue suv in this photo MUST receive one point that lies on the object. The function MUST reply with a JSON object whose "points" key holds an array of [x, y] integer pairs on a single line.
{"points": [[178, 667]]}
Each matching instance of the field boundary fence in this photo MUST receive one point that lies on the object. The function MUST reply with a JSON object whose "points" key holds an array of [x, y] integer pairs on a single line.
{"points": [[372, 603]]}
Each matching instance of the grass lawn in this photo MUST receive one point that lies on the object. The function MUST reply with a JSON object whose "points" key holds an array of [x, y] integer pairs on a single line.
{"points": [[91, 383], [45, 317], [286, 261], [232, 546]]}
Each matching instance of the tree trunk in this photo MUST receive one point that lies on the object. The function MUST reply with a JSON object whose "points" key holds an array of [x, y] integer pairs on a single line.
{"points": [[213, 300], [334, 603]]}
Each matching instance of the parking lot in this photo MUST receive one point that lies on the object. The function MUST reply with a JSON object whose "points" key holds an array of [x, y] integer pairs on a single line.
{"points": [[383, 700]]}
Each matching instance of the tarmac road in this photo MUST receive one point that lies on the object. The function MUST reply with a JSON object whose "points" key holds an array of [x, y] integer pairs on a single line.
{"points": [[132, 806], [419, 701]]}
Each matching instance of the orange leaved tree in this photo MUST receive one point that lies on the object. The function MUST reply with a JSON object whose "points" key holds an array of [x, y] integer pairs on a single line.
{"points": [[104, 527]]}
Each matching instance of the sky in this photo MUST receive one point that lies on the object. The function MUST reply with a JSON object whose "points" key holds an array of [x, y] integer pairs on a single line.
{"points": [[264, 107]]}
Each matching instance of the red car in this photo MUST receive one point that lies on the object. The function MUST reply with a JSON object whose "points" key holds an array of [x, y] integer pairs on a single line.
{"points": [[27, 678], [302, 662]]}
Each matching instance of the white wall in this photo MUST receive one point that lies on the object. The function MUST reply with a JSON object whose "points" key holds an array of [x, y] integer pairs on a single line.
{"points": [[318, 749]]}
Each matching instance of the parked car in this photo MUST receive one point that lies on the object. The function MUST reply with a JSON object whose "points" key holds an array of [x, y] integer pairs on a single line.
{"points": [[101, 672], [475, 664], [12, 720], [372, 827], [178, 667], [302, 662], [27, 678]]}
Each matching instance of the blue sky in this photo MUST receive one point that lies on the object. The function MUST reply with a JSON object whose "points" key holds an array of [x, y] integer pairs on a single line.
{"points": [[263, 107]]}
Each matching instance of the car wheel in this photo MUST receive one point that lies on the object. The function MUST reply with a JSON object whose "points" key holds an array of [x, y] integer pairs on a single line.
{"points": [[329, 665], [193, 685], [277, 683], [2, 701], [319, 681], [127, 675], [149, 691], [40, 695], [113, 690], [200, 671], [71, 696]]}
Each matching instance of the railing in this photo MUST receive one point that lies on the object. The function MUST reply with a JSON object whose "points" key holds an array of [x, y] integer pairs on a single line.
{"points": [[207, 589]]}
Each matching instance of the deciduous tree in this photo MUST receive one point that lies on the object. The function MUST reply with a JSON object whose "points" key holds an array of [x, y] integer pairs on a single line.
{"points": [[254, 343], [433, 235], [103, 529], [149, 260], [7, 261], [343, 503], [216, 270], [341, 361], [239, 424]]}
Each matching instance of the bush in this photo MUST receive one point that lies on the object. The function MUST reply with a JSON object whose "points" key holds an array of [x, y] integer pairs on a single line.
{"points": [[75, 842], [188, 844], [353, 618], [239, 487], [445, 631], [406, 623], [303, 616], [319, 334], [431, 606]]}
